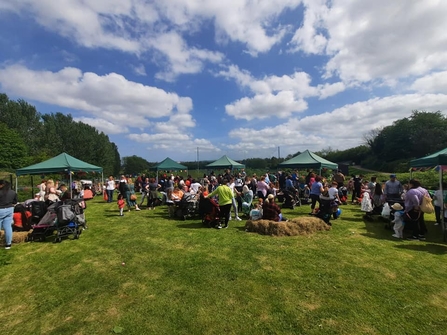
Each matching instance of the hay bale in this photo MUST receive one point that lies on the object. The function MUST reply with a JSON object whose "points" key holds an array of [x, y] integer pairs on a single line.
{"points": [[17, 237], [293, 227]]}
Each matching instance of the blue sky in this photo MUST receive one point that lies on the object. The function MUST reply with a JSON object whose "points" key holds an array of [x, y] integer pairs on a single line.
{"points": [[235, 77]]}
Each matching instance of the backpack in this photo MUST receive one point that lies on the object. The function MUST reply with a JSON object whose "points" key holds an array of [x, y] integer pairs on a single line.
{"points": [[427, 205]]}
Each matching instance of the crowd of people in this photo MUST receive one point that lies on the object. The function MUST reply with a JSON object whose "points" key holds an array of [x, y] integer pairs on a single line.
{"points": [[239, 194]]}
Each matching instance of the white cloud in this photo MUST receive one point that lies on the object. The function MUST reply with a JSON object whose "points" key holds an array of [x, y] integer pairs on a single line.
{"points": [[139, 70], [138, 26], [103, 125], [379, 40], [274, 95], [341, 128], [181, 59], [171, 142], [433, 83], [111, 97]]}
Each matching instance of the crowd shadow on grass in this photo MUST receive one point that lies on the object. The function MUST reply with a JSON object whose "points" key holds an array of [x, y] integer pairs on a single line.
{"points": [[381, 229], [192, 225], [431, 248]]}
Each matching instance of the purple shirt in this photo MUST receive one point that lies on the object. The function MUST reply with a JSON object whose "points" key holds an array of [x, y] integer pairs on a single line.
{"points": [[413, 198]]}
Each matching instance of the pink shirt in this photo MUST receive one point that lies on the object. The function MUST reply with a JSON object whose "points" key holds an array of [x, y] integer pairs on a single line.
{"points": [[262, 186]]}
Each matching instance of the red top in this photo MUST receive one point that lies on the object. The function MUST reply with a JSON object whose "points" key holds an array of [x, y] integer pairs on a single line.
{"points": [[18, 218]]}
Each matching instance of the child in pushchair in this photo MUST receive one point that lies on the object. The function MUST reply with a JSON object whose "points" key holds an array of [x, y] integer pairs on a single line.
{"points": [[291, 198], [186, 207]]}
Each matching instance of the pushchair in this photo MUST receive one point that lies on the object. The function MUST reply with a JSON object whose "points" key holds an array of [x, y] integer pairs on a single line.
{"points": [[46, 225], [304, 193], [209, 211], [328, 208], [185, 208], [70, 220], [291, 198]]}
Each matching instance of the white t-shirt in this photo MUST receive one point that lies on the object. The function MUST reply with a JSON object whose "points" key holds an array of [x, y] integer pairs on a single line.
{"points": [[110, 185], [333, 191]]}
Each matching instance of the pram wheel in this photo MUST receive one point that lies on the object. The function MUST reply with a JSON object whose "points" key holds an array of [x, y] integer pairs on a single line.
{"points": [[42, 239], [58, 240]]}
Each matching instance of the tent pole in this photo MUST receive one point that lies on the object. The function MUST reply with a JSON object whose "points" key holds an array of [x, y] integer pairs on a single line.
{"points": [[32, 186], [442, 201], [71, 182]]}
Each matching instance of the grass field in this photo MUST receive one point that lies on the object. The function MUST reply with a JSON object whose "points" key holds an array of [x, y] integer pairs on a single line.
{"points": [[181, 278]]}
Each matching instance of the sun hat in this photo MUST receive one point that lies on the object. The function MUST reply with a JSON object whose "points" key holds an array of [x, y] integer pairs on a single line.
{"points": [[397, 206], [271, 196]]}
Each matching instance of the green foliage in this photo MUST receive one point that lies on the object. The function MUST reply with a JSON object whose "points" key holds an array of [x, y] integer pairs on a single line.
{"points": [[353, 155], [135, 165], [44, 136], [14, 152], [420, 134]]}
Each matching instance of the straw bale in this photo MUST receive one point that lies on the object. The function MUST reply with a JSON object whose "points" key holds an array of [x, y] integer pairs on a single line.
{"points": [[17, 237], [293, 227]]}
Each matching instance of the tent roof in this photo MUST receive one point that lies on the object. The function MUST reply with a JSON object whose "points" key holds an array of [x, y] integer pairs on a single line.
{"points": [[168, 164], [61, 163], [438, 158], [308, 160], [225, 162]]}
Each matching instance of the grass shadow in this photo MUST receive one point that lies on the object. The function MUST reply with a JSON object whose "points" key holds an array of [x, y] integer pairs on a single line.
{"points": [[192, 225]]}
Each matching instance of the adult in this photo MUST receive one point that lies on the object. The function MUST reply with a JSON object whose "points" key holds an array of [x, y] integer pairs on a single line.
{"points": [[152, 193], [130, 195], [8, 199], [372, 184], [315, 191], [339, 177], [393, 189], [414, 215], [357, 188], [270, 210], [262, 187], [144, 190], [22, 218], [232, 186], [226, 196], [50, 191], [110, 188]]}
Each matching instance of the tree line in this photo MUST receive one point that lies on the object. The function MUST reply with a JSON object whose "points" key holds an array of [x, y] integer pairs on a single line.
{"points": [[29, 137]]}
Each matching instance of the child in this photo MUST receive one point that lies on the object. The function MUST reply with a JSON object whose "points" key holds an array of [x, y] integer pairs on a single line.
{"points": [[256, 213], [121, 204], [398, 220]]}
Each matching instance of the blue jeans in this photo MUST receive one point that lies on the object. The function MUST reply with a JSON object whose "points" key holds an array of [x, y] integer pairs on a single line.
{"points": [[6, 220], [110, 195]]}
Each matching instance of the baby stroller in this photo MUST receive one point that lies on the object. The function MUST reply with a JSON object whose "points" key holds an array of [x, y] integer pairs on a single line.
{"points": [[186, 207], [209, 211], [304, 193], [46, 224], [69, 221], [38, 210], [343, 194], [327, 209], [291, 199]]}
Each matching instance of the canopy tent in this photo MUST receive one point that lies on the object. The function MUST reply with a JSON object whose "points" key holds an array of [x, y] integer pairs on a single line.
{"points": [[60, 163], [168, 165], [225, 162], [438, 159], [308, 160]]}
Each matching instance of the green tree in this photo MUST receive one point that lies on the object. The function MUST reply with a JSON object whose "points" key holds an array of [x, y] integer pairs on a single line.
{"points": [[134, 165], [14, 153]]}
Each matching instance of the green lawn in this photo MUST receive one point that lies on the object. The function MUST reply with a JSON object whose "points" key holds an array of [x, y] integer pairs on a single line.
{"points": [[182, 278]]}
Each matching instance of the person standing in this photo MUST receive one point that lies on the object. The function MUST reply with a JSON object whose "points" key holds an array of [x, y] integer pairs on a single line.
{"points": [[315, 191], [225, 201], [339, 177], [110, 188], [393, 189], [413, 201], [8, 199]]}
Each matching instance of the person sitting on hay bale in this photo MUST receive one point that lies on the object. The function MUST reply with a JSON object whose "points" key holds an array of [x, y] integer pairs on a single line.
{"points": [[271, 211]]}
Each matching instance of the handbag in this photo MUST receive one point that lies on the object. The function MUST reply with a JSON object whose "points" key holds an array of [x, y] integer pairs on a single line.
{"points": [[427, 204], [133, 197]]}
